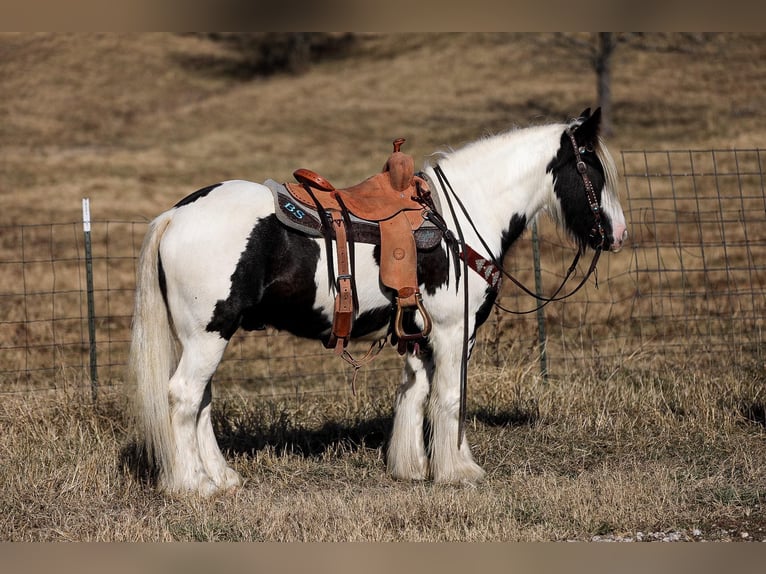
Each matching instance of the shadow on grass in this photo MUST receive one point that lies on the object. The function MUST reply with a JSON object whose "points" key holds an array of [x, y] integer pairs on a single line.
{"points": [[135, 463], [753, 411], [236, 438], [283, 436], [510, 417], [252, 430]]}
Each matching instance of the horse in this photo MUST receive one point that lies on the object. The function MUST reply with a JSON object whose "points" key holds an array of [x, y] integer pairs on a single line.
{"points": [[220, 260]]}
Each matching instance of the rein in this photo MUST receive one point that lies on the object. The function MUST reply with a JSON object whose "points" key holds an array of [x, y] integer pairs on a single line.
{"points": [[596, 231], [464, 354]]}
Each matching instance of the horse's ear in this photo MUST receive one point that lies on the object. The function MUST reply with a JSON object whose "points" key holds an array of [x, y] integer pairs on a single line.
{"points": [[587, 132], [585, 113]]}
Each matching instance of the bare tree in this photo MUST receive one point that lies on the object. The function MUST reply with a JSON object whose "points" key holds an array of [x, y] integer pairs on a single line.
{"points": [[602, 64], [598, 49]]}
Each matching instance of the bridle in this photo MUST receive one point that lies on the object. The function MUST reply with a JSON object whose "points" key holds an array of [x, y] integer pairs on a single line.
{"points": [[595, 206]]}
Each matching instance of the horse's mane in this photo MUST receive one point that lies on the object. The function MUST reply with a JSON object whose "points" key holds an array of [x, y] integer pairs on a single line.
{"points": [[488, 138], [601, 150], [610, 170]]}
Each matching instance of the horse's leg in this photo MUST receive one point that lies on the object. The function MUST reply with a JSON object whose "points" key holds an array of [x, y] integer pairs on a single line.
{"points": [[215, 464], [449, 462], [407, 459], [201, 355]]}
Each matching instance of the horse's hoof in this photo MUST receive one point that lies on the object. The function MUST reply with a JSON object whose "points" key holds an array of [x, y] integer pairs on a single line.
{"points": [[414, 469], [415, 476], [208, 488], [469, 475], [230, 480]]}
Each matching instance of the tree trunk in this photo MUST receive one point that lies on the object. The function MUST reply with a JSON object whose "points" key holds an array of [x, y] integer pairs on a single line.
{"points": [[603, 67]]}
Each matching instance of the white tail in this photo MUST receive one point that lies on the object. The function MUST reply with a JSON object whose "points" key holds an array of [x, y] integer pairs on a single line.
{"points": [[153, 355]]}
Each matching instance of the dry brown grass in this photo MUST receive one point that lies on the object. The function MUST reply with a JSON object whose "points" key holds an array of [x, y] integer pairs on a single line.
{"points": [[613, 449], [573, 459]]}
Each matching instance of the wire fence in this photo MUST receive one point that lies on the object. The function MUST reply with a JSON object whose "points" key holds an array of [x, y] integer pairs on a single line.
{"points": [[689, 289]]}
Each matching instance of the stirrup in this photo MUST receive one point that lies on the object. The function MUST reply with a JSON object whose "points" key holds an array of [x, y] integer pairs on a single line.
{"points": [[399, 319]]}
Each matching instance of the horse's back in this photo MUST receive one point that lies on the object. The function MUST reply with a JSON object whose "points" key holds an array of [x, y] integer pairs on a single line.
{"points": [[218, 221], [232, 194], [206, 237]]}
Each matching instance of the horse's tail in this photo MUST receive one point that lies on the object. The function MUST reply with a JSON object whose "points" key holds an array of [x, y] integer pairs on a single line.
{"points": [[152, 357]]}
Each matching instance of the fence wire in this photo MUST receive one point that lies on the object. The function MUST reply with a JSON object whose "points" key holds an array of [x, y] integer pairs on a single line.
{"points": [[690, 287]]}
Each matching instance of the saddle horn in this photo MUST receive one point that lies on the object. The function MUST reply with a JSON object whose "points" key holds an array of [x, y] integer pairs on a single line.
{"points": [[400, 167]]}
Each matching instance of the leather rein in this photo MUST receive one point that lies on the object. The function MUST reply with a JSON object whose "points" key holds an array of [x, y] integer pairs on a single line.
{"points": [[597, 231]]}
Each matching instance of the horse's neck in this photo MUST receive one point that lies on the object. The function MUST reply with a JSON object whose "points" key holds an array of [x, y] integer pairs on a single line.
{"points": [[496, 179]]}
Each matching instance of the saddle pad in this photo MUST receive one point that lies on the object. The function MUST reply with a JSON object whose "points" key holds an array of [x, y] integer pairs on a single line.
{"points": [[305, 218]]}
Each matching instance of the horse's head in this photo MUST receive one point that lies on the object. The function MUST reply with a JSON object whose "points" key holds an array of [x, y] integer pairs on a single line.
{"points": [[585, 185]]}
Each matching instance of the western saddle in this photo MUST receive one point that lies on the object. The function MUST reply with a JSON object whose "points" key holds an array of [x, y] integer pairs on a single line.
{"points": [[393, 209]]}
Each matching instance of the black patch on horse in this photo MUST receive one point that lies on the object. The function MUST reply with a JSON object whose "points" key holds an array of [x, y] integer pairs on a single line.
{"points": [[490, 296], [433, 269], [516, 227], [162, 280], [287, 260], [192, 197], [371, 321]]}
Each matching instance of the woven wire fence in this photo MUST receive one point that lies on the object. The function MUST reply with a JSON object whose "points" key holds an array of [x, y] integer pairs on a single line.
{"points": [[689, 288]]}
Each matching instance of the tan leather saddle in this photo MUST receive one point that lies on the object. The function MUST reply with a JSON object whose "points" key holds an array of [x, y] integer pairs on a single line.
{"points": [[389, 209]]}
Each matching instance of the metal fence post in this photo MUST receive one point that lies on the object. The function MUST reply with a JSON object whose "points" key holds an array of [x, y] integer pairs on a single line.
{"points": [[541, 336], [91, 305]]}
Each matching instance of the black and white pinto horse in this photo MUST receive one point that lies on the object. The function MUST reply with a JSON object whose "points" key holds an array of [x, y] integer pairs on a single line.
{"points": [[220, 260]]}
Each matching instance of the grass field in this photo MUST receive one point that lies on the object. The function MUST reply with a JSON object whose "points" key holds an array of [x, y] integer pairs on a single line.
{"points": [[640, 450]]}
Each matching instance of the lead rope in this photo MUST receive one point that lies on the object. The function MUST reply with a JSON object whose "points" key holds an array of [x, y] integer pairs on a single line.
{"points": [[464, 355], [598, 229]]}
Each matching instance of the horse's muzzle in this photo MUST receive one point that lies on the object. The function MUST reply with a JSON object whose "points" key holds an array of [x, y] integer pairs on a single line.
{"points": [[619, 238]]}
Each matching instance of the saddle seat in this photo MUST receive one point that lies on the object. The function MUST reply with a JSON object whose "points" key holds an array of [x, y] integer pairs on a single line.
{"points": [[377, 198], [395, 203]]}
